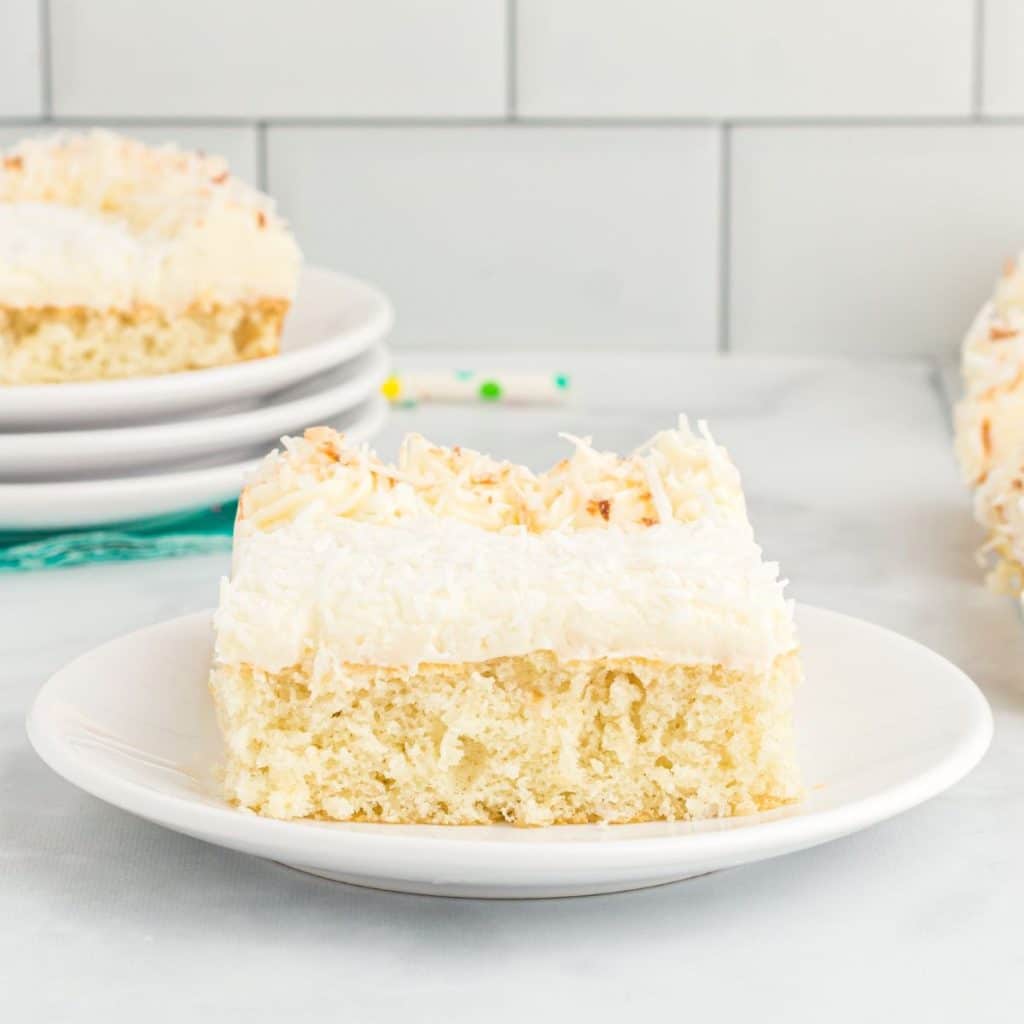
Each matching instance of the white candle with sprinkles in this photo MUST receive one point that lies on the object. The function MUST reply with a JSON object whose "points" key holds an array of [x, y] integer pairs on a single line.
{"points": [[471, 386]]}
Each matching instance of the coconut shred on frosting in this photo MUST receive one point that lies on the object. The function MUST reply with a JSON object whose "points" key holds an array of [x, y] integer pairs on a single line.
{"points": [[678, 475], [450, 556], [102, 221]]}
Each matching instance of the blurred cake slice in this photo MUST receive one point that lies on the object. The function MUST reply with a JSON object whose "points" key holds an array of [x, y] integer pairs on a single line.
{"points": [[990, 426], [455, 640], [122, 260]]}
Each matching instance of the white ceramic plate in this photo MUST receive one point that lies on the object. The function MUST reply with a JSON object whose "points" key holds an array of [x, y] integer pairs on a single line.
{"points": [[883, 723], [77, 504], [67, 454], [334, 318]]}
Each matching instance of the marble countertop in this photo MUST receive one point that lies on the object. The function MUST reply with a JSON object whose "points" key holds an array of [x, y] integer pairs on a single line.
{"points": [[852, 487]]}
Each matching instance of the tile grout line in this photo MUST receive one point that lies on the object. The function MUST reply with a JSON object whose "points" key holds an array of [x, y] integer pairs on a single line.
{"points": [[262, 162], [45, 62], [503, 121], [978, 61], [511, 57], [724, 236]]}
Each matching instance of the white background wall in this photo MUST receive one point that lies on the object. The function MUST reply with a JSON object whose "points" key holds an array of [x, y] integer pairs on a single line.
{"points": [[794, 175]]}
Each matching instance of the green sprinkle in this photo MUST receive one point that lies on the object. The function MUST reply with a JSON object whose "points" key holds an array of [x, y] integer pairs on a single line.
{"points": [[562, 381], [463, 374], [490, 391]]}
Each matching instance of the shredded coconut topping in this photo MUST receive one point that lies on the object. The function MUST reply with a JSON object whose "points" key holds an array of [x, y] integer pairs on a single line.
{"points": [[999, 505], [100, 220], [678, 476], [990, 425], [990, 416]]}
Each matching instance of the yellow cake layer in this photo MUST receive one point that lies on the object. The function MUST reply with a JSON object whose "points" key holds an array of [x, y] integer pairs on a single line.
{"points": [[54, 344], [527, 740]]}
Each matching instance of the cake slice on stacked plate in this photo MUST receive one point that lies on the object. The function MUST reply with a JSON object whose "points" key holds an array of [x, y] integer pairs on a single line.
{"points": [[123, 260]]}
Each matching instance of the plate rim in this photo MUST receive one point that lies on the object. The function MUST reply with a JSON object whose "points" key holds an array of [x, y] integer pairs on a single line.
{"points": [[227, 826], [225, 432], [23, 497], [196, 388]]}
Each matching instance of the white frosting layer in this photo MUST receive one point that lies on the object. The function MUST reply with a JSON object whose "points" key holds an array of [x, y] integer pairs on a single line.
{"points": [[442, 590], [62, 256], [101, 221], [50, 250]]}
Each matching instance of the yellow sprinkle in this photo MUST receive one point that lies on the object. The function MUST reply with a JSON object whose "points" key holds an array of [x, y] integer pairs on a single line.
{"points": [[391, 389]]}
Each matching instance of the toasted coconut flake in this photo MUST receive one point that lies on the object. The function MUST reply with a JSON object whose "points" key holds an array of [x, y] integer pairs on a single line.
{"points": [[676, 476]]}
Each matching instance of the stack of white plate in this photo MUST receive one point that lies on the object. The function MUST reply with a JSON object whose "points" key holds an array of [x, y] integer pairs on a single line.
{"points": [[103, 452]]}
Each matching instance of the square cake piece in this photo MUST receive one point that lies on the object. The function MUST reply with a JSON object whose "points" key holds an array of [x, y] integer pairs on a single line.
{"points": [[455, 640], [124, 260]]}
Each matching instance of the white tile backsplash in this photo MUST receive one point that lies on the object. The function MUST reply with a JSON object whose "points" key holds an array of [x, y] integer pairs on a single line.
{"points": [[869, 239], [21, 92], [1003, 63], [238, 145], [736, 58], [488, 236], [551, 172], [266, 58]]}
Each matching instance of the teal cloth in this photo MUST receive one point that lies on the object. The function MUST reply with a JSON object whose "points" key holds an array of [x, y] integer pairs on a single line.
{"points": [[203, 532]]}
